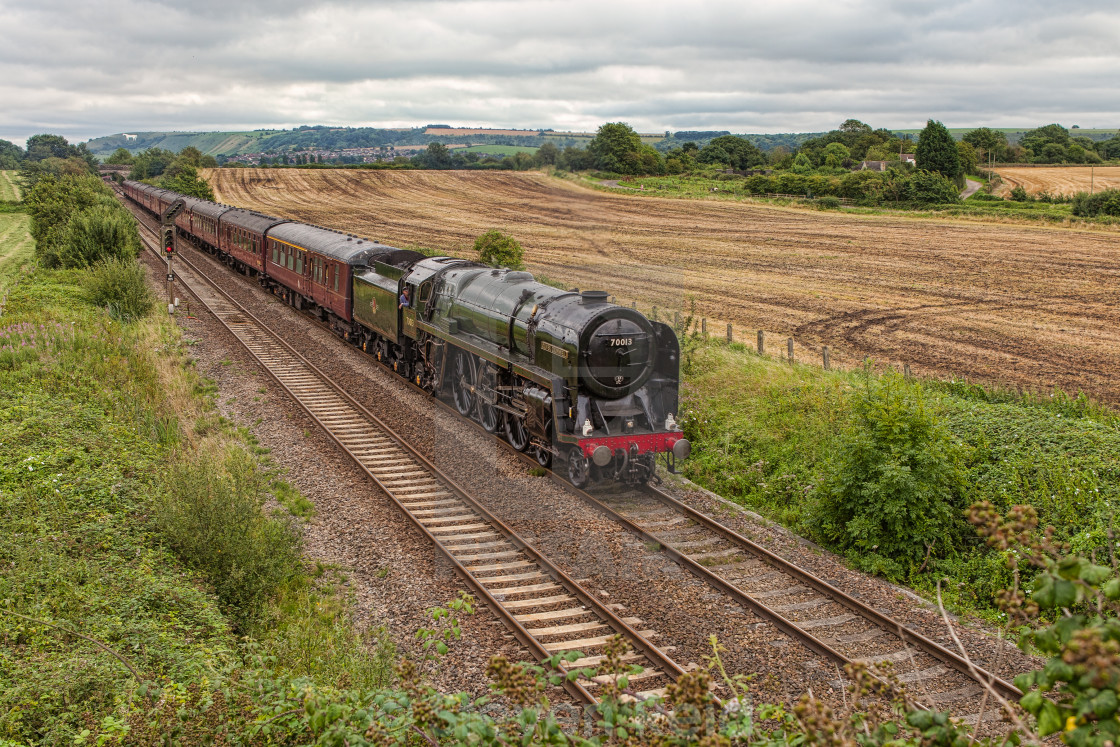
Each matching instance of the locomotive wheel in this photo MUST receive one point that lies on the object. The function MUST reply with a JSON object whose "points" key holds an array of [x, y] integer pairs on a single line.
{"points": [[579, 471], [487, 393], [462, 383], [541, 453], [516, 434]]}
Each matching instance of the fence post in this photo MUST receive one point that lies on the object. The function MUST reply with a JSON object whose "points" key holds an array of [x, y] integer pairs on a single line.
{"points": [[789, 348], [906, 370], [653, 315], [704, 327], [677, 319], [760, 348], [824, 354], [728, 334], [634, 305]]}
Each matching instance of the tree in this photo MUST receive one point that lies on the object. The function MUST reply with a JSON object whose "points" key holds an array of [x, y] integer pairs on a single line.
{"points": [[835, 154], [736, 152], [854, 126], [11, 155], [151, 163], [40, 147], [616, 147], [121, 157], [987, 142], [437, 156], [499, 250], [547, 155], [1052, 134], [968, 158], [937, 151]]}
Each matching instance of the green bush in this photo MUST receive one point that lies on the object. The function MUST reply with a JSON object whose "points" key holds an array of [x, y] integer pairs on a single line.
{"points": [[1018, 194], [52, 202], [120, 286], [499, 250], [889, 498], [829, 203], [102, 232], [213, 519], [931, 188], [1101, 203]]}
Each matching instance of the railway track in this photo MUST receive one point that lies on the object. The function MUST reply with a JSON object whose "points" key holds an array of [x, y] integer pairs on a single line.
{"points": [[812, 611], [803, 607], [545, 609]]}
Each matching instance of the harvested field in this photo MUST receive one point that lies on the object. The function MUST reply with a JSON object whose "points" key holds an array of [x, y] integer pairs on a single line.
{"points": [[1058, 180], [1033, 307]]}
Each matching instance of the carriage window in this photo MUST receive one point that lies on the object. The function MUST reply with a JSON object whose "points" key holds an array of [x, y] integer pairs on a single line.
{"points": [[275, 252], [425, 292], [299, 262], [336, 278]]}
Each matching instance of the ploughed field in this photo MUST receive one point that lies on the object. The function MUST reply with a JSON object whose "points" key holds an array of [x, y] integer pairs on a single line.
{"points": [[1058, 180], [1034, 307]]}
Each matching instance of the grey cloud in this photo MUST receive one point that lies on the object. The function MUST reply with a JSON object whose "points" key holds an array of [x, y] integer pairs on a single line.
{"points": [[87, 69]]}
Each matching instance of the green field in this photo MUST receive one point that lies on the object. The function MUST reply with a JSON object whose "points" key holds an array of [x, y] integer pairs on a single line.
{"points": [[496, 150], [9, 190], [16, 248]]}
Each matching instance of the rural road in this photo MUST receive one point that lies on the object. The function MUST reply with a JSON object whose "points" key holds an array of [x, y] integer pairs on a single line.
{"points": [[970, 189]]}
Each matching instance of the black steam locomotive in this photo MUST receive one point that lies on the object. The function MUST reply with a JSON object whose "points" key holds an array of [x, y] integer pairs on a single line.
{"points": [[563, 375]]}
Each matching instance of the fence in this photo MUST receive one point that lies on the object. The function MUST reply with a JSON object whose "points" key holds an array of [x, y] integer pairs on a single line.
{"points": [[689, 324]]}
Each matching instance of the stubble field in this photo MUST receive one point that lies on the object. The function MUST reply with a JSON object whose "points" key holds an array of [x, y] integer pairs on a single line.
{"points": [[1059, 180], [1033, 307]]}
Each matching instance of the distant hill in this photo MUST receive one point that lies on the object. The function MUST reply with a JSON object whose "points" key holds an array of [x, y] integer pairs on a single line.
{"points": [[1015, 134], [278, 142], [231, 144]]}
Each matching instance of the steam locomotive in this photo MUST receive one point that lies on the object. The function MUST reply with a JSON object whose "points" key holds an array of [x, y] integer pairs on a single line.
{"points": [[564, 375]]}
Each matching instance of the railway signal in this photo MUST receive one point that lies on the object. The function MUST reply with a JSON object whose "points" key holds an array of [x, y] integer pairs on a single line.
{"points": [[168, 242]]}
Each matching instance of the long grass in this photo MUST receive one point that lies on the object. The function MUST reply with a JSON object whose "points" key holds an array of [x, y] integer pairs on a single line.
{"points": [[9, 187], [17, 249]]}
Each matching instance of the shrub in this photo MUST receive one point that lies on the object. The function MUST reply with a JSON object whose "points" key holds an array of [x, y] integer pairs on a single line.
{"points": [[829, 203], [1101, 203], [52, 202], [1018, 194], [99, 233], [930, 188], [499, 250], [120, 286], [213, 519], [889, 495]]}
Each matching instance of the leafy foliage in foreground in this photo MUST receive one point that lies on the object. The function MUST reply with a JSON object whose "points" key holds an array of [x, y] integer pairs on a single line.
{"points": [[892, 492]]}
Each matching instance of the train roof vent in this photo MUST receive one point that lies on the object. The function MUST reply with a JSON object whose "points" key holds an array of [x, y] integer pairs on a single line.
{"points": [[518, 277], [592, 297]]}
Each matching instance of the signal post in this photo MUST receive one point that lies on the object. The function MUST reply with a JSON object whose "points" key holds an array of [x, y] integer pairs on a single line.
{"points": [[167, 242]]}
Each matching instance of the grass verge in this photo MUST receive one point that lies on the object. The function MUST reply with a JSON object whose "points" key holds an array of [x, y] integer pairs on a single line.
{"points": [[113, 598]]}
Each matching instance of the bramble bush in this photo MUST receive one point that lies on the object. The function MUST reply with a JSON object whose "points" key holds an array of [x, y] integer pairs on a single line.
{"points": [[889, 499]]}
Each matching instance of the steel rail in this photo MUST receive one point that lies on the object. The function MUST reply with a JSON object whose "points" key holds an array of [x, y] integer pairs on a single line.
{"points": [[931, 647], [639, 641]]}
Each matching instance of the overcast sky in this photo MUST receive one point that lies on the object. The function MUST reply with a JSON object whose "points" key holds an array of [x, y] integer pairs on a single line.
{"points": [[85, 69]]}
